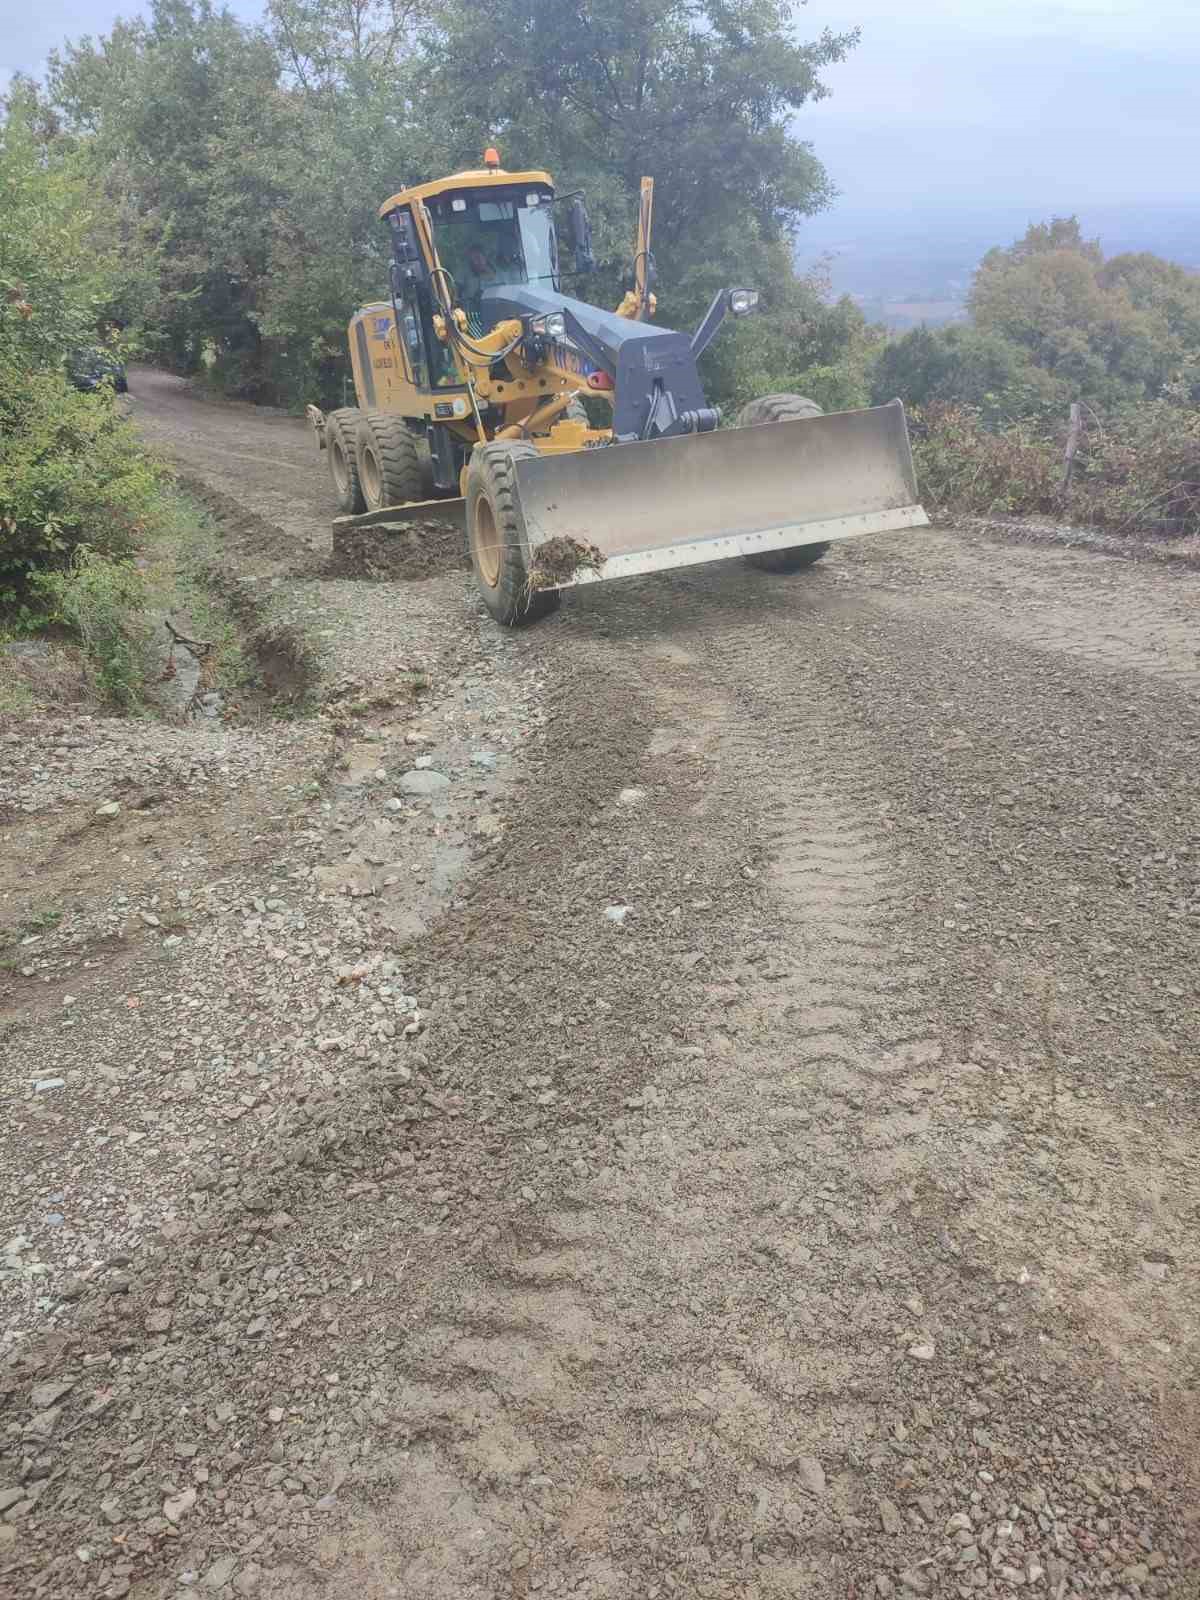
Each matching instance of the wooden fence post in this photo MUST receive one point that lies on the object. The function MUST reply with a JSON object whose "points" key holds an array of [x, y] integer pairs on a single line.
{"points": [[1073, 433]]}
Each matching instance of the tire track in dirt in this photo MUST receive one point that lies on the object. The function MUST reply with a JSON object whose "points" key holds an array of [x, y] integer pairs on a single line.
{"points": [[616, 1294], [1103, 611], [1132, 636], [699, 1435]]}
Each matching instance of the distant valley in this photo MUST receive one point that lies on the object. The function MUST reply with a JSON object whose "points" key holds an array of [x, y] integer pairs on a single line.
{"points": [[909, 267]]}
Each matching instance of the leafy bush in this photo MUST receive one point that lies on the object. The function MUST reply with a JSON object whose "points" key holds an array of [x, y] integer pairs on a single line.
{"points": [[103, 603], [964, 467], [1140, 474], [72, 473]]}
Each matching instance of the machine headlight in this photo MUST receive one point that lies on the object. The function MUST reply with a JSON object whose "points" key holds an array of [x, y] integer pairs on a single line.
{"points": [[553, 326], [742, 300]]}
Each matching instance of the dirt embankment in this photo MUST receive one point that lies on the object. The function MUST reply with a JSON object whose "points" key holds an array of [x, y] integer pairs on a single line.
{"points": [[697, 1099]]}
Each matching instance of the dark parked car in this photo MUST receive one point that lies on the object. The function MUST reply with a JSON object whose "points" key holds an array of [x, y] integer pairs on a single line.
{"points": [[88, 369]]}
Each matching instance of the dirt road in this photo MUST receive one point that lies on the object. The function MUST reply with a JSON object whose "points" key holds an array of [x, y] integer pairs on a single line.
{"points": [[724, 1124]]}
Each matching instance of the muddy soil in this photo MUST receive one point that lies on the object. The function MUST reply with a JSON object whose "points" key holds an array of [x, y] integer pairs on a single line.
{"points": [[698, 1098]]}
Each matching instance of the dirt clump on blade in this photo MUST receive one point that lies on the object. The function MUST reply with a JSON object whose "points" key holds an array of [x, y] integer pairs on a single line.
{"points": [[558, 560]]}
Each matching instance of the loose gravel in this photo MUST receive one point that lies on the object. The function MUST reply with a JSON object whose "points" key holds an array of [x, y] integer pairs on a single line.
{"points": [[383, 1215]]}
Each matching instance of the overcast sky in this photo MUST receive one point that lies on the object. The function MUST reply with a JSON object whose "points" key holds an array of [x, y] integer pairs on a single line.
{"points": [[946, 104], [1012, 103]]}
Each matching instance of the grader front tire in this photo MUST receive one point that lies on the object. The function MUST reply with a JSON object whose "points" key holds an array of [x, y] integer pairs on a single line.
{"points": [[495, 537], [782, 408]]}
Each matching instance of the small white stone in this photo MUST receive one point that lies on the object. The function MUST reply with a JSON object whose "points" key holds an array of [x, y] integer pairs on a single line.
{"points": [[921, 1352]]}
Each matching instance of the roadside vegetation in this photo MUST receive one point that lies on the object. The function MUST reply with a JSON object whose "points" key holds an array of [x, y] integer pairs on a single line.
{"points": [[79, 497], [1055, 325], [202, 191], [97, 544]]}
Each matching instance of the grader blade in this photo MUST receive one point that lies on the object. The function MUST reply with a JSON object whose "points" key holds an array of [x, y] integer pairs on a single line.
{"points": [[393, 518], [648, 507]]}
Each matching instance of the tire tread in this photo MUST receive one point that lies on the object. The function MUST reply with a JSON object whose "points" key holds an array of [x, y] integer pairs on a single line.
{"points": [[493, 472], [396, 449], [342, 426], [782, 408]]}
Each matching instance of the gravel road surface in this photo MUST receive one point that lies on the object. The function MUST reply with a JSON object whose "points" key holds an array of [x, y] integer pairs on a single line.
{"points": [[697, 1099]]}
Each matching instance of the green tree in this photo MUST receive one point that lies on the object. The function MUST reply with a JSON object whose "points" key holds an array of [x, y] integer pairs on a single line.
{"points": [[966, 366], [350, 70], [186, 123], [249, 163], [71, 471], [701, 95], [1112, 332], [54, 284]]}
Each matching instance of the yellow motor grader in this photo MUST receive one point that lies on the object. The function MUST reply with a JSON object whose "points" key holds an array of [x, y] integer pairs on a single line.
{"points": [[470, 379]]}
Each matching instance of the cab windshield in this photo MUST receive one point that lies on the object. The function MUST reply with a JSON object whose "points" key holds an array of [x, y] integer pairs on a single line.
{"points": [[504, 236]]}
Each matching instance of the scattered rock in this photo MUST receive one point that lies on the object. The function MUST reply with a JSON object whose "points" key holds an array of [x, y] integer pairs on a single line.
{"points": [[219, 1574], [922, 1352], [109, 809], [176, 1507], [889, 1516], [811, 1474], [617, 914], [48, 1394], [424, 782]]}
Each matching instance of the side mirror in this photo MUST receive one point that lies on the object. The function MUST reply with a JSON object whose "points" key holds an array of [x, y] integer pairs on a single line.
{"points": [[408, 264], [579, 228]]}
